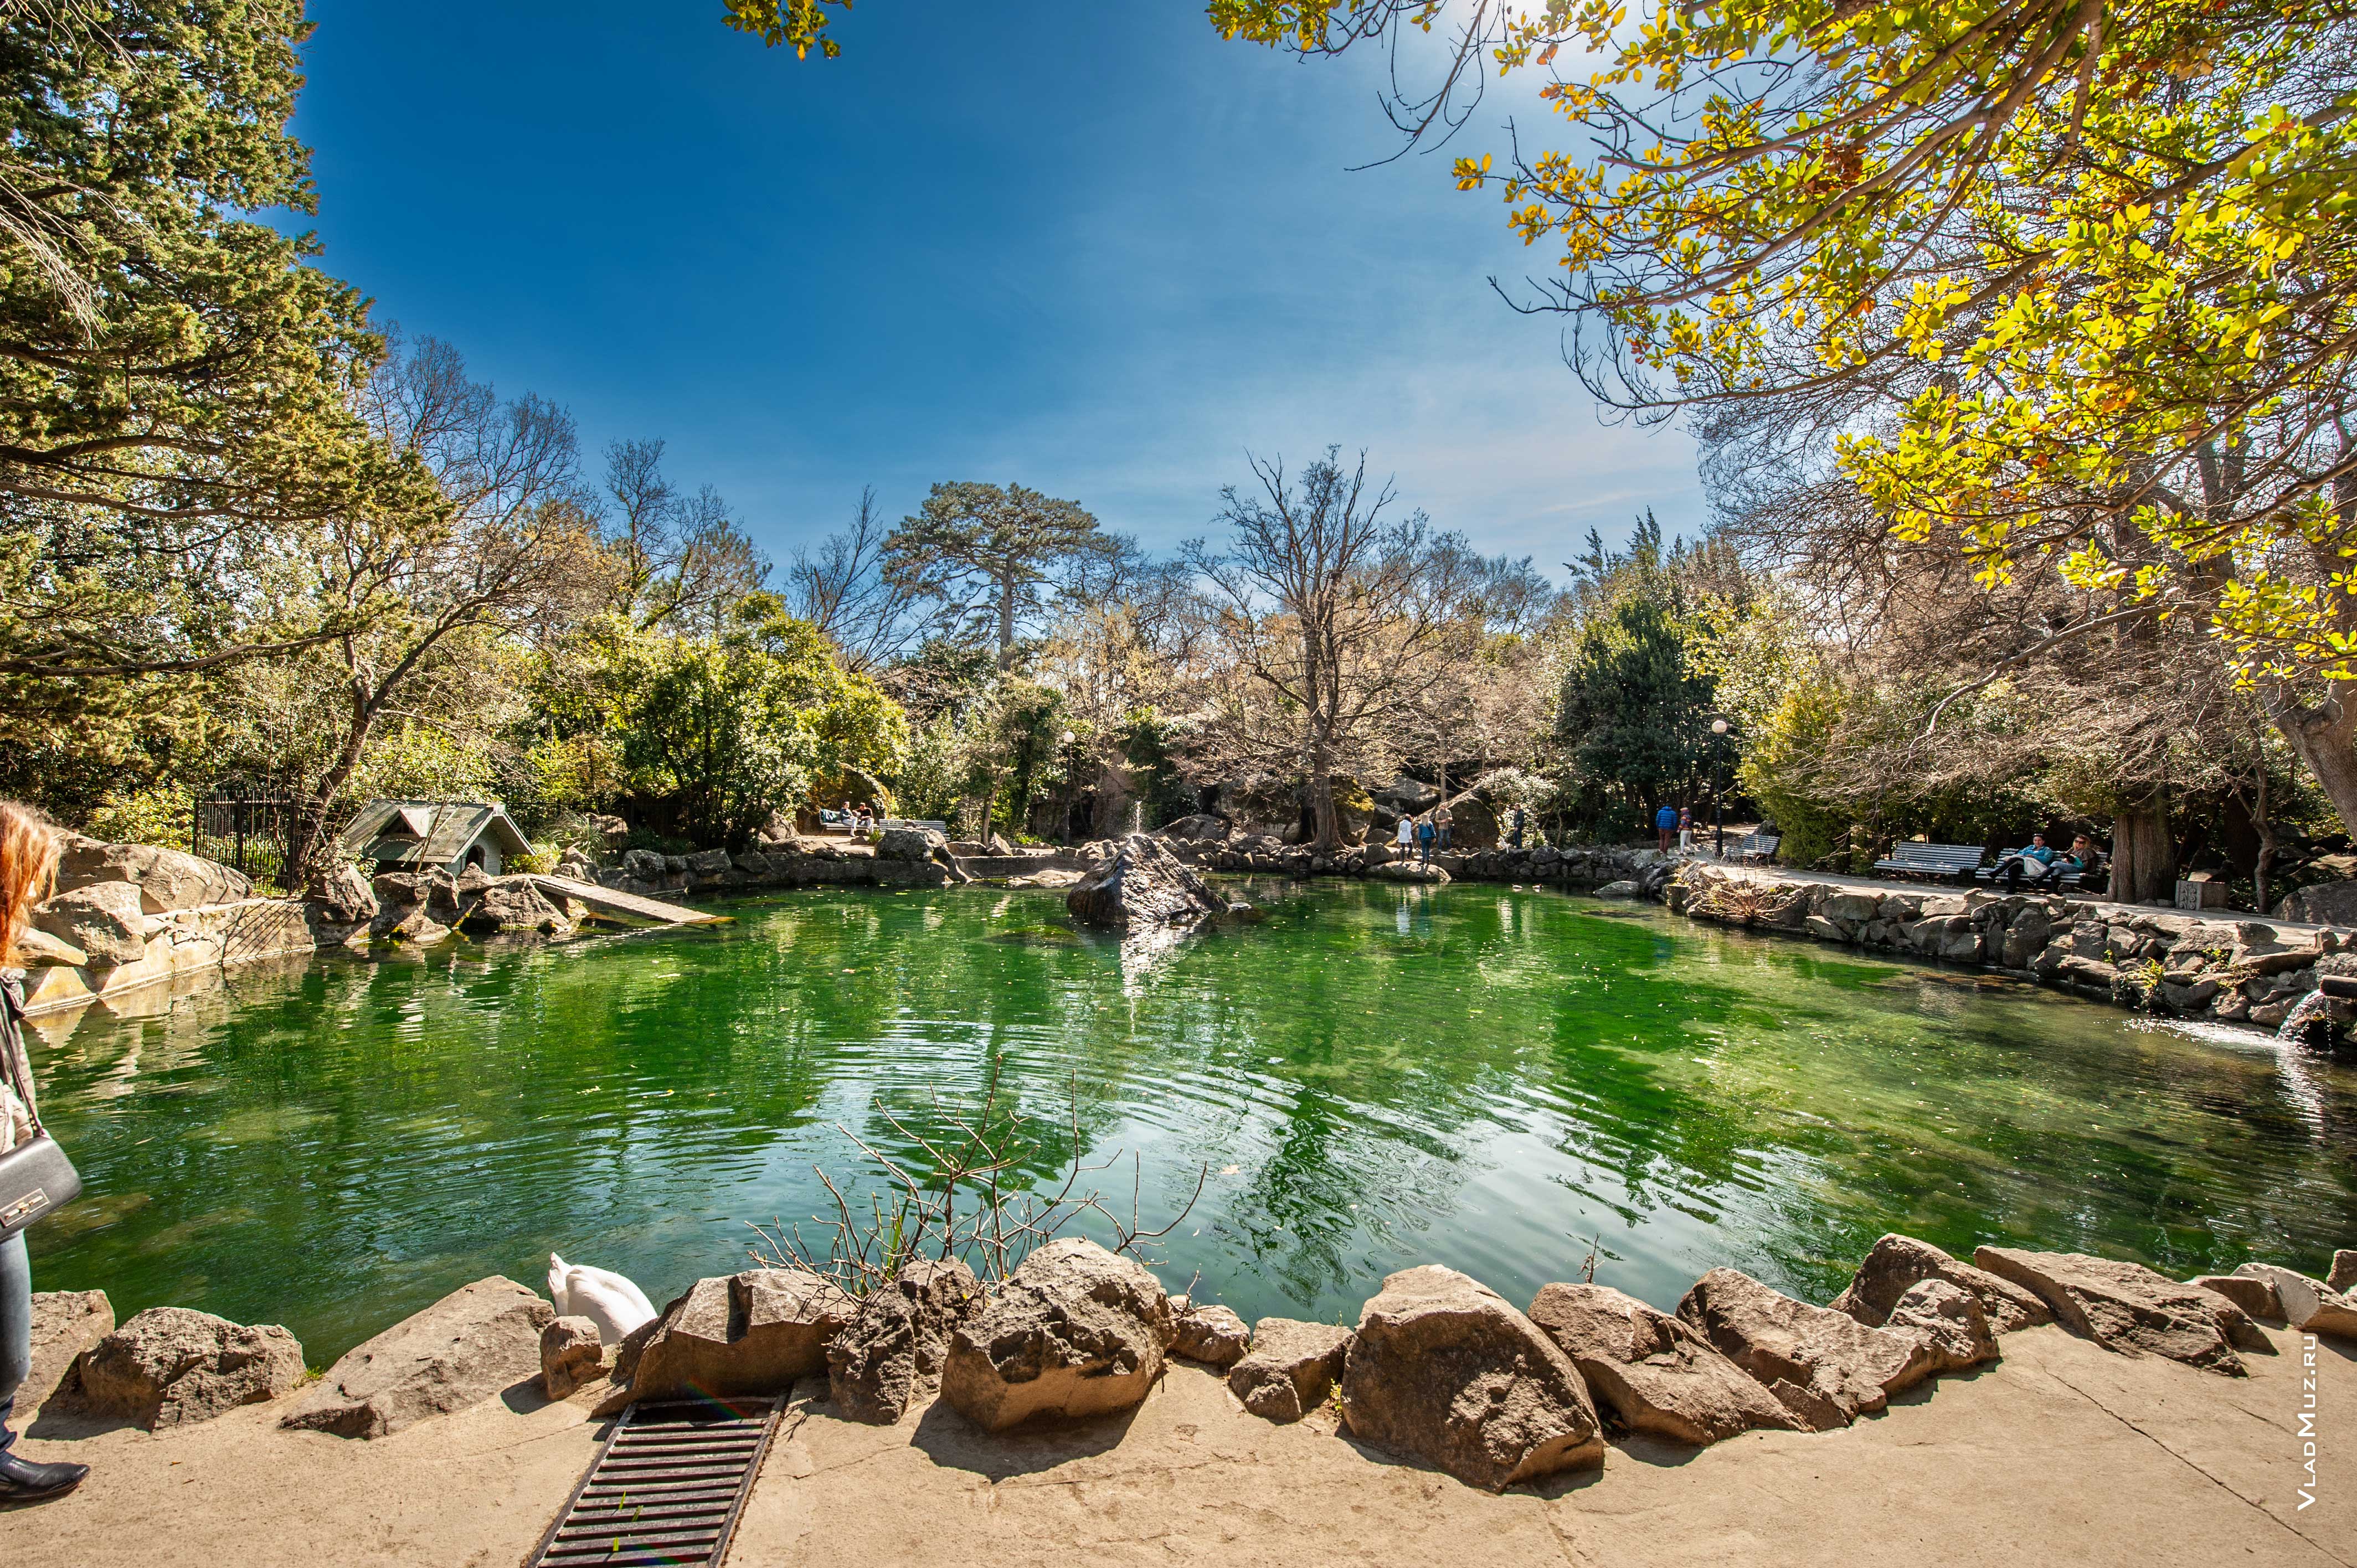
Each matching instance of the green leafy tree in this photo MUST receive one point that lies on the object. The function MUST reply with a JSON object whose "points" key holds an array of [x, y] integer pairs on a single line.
{"points": [[175, 379], [991, 556], [715, 736]]}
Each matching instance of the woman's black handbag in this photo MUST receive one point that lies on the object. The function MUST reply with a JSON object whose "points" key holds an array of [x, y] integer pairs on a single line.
{"points": [[36, 1177]]}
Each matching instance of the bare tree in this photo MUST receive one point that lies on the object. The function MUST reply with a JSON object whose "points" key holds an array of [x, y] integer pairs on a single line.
{"points": [[510, 542], [678, 559], [1336, 619], [842, 588]]}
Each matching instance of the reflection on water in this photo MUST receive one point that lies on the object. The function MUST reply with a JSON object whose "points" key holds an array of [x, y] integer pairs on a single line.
{"points": [[1377, 1075]]}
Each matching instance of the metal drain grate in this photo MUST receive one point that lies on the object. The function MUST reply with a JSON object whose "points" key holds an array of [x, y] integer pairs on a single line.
{"points": [[666, 1489]]}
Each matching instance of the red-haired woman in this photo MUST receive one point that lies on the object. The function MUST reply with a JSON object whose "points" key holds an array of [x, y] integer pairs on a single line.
{"points": [[28, 864]]}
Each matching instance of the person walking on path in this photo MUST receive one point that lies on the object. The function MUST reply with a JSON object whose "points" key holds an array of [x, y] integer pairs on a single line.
{"points": [[28, 865], [1425, 833], [1442, 822], [1665, 823], [1514, 829]]}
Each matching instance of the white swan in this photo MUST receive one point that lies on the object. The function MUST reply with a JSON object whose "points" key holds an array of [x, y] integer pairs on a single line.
{"points": [[601, 1295]]}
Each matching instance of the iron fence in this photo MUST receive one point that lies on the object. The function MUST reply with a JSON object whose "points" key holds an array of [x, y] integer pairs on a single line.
{"points": [[244, 824]]}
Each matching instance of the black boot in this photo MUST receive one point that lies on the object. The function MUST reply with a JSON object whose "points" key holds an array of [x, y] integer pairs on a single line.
{"points": [[22, 1481]]}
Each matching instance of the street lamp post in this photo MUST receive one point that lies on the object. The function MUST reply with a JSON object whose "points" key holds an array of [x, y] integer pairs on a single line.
{"points": [[1718, 789]]}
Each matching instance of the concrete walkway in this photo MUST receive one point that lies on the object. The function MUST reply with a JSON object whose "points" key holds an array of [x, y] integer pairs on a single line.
{"points": [[2061, 1453]]}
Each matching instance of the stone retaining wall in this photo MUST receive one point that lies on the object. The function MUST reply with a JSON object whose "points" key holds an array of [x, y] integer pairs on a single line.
{"points": [[2244, 971]]}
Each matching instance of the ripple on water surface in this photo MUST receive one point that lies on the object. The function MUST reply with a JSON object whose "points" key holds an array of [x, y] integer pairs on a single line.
{"points": [[1374, 1076]]}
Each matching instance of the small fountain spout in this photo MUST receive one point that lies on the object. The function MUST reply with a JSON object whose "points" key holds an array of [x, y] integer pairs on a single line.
{"points": [[2309, 1020]]}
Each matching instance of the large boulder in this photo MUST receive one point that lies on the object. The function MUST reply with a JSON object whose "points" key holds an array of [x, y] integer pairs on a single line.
{"points": [[167, 879], [65, 1323], [909, 844], [1473, 824], [1290, 1367], [644, 865], [2309, 1306], [1074, 1331], [1826, 1367], [478, 1340], [1950, 1323], [1896, 1262], [1142, 886], [1406, 796], [1201, 828], [514, 904], [1210, 1334], [172, 1367], [341, 894], [2128, 1307], [2256, 1297], [889, 1357], [2343, 1276], [1408, 871], [2325, 904], [105, 919], [1660, 1376], [1442, 1369], [752, 1333], [570, 1353]]}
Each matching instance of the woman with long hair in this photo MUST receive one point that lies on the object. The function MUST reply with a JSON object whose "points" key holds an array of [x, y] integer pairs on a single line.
{"points": [[28, 866]]}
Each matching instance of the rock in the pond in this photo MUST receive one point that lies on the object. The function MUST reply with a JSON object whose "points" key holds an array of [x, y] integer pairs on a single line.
{"points": [[514, 904], [475, 1342], [1409, 871], [65, 1323], [2343, 1276], [1213, 1335], [1444, 1370], [1141, 886], [1827, 1367], [341, 894], [1291, 1367], [1949, 1321], [104, 919], [2128, 1307], [2256, 1297], [1074, 1331], [1624, 888], [752, 1333], [571, 1354], [2309, 1306], [889, 1359], [1660, 1376], [170, 1366], [1896, 1262]]}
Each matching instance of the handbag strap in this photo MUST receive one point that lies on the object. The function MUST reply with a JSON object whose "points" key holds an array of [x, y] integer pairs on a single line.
{"points": [[13, 1056]]}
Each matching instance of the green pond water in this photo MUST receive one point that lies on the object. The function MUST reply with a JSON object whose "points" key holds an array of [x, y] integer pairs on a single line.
{"points": [[1374, 1076]]}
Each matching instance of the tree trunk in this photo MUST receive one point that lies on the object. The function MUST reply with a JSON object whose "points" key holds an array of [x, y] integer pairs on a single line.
{"points": [[1007, 623], [2263, 819], [310, 850], [1326, 829], [2144, 862], [2325, 738]]}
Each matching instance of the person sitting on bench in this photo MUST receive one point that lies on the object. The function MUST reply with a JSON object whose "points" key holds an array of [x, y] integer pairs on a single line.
{"points": [[2033, 864], [2088, 861]]}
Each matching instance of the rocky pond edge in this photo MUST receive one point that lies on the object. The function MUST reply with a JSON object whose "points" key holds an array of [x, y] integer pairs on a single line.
{"points": [[1439, 1369]]}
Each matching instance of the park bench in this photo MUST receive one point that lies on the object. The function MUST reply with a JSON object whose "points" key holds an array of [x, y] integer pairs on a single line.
{"points": [[1911, 859], [1758, 846]]}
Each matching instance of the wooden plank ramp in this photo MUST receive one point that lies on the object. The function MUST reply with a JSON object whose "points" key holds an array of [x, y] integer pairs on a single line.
{"points": [[666, 1489], [613, 905]]}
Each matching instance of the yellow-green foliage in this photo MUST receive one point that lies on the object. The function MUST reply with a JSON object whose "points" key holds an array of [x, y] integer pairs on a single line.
{"points": [[1780, 770]]}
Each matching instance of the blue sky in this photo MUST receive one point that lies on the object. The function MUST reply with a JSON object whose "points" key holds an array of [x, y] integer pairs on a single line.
{"points": [[1102, 257]]}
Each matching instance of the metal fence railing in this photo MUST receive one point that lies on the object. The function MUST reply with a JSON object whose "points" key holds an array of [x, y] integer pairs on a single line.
{"points": [[243, 824]]}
